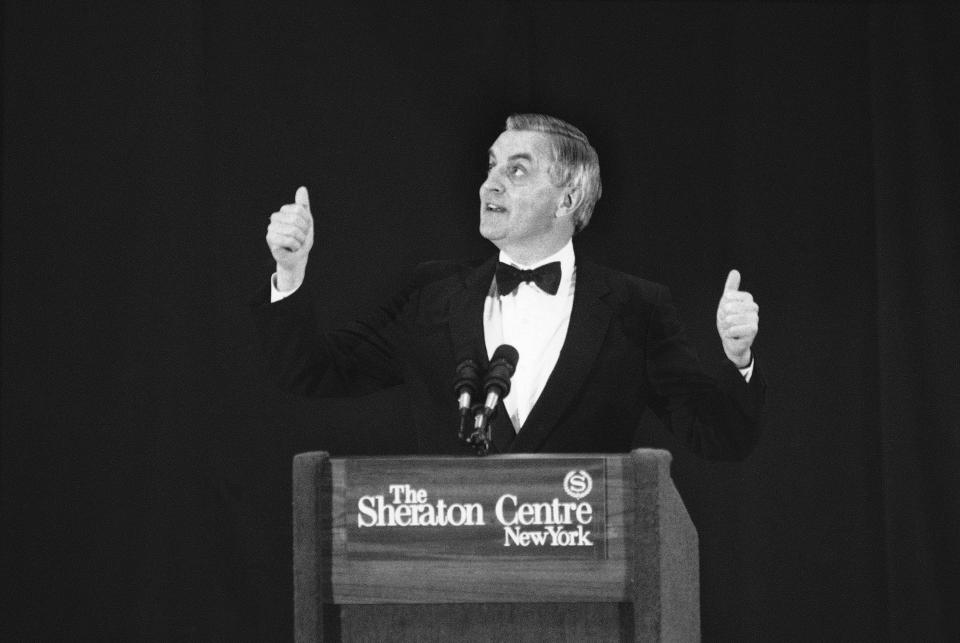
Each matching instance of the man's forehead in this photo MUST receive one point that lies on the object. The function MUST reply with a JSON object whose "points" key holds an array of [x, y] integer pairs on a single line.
{"points": [[535, 145]]}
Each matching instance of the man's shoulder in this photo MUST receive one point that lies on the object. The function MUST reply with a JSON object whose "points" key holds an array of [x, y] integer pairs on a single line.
{"points": [[438, 270], [441, 279], [623, 285]]}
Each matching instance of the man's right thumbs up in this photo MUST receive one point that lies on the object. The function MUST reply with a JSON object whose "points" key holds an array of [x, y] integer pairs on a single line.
{"points": [[290, 238], [302, 197]]}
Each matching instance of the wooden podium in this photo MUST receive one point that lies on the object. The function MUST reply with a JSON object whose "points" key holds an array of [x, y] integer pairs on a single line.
{"points": [[527, 547]]}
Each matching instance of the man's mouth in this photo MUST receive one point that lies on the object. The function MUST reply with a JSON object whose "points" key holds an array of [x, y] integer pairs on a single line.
{"points": [[493, 207]]}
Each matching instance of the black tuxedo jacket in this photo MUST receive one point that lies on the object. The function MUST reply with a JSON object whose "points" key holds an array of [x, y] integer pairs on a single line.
{"points": [[625, 350]]}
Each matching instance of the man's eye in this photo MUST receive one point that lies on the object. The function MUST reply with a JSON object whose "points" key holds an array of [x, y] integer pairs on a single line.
{"points": [[517, 170]]}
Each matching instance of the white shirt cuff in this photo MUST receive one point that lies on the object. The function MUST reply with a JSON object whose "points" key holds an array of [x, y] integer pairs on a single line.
{"points": [[276, 295]]}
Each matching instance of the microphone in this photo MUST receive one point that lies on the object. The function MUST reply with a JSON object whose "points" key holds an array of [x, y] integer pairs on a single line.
{"points": [[467, 387], [496, 386]]}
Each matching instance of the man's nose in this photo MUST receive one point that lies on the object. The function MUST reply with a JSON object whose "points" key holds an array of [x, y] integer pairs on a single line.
{"points": [[491, 184]]}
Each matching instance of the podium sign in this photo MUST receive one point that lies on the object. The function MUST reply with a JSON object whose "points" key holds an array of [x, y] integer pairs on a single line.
{"points": [[477, 508], [511, 547]]}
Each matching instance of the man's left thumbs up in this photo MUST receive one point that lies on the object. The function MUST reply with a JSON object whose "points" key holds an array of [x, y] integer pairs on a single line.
{"points": [[738, 320]]}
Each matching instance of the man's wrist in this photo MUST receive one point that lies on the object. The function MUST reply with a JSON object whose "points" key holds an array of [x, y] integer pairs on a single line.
{"points": [[277, 289], [289, 280], [742, 361], [745, 371]]}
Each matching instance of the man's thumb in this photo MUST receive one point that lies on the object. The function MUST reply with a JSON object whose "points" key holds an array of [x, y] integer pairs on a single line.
{"points": [[302, 198], [733, 279]]}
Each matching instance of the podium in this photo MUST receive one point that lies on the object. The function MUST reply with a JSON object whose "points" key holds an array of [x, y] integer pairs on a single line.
{"points": [[502, 548]]}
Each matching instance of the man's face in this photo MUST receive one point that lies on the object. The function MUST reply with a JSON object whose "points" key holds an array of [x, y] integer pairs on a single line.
{"points": [[518, 203]]}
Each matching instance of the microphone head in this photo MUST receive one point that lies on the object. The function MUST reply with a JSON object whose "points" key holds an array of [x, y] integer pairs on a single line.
{"points": [[508, 354], [468, 377], [502, 365]]}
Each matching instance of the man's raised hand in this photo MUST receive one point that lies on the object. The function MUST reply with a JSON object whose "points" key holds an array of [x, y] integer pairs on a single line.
{"points": [[738, 320], [290, 237]]}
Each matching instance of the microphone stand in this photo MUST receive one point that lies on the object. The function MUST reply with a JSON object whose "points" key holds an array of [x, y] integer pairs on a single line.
{"points": [[481, 437]]}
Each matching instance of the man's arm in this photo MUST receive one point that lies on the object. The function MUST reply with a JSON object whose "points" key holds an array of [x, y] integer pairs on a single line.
{"points": [[715, 416], [356, 360]]}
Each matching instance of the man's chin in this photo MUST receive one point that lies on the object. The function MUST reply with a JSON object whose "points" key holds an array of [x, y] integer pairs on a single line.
{"points": [[490, 230]]}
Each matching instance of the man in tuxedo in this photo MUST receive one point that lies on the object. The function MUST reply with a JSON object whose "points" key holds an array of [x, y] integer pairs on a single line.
{"points": [[596, 346]]}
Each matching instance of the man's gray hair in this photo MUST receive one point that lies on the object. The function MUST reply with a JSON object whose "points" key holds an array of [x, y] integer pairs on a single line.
{"points": [[576, 163]]}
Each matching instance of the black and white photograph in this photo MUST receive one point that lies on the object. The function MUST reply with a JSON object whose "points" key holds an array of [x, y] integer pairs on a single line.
{"points": [[517, 320]]}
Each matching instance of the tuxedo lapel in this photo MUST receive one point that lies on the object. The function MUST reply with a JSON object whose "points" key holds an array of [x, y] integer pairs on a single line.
{"points": [[466, 314], [502, 432], [466, 334], [589, 319]]}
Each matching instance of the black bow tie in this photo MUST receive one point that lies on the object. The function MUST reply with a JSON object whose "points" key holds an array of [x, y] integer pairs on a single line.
{"points": [[547, 277]]}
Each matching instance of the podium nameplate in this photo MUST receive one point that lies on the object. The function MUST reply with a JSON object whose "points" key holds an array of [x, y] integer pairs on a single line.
{"points": [[492, 508]]}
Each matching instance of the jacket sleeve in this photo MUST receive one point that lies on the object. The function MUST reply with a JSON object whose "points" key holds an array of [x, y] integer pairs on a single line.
{"points": [[715, 416], [357, 359]]}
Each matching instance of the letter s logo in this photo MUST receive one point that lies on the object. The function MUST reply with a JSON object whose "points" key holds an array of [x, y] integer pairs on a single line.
{"points": [[578, 484]]}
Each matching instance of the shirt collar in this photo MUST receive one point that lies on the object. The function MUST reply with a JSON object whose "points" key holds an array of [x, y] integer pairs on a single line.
{"points": [[564, 255]]}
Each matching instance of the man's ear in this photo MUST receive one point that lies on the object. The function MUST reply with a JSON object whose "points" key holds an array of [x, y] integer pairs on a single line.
{"points": [[570, 201]]}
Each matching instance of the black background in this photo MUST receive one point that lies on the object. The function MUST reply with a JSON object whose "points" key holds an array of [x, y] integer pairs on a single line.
{"points": [[145, 471]]}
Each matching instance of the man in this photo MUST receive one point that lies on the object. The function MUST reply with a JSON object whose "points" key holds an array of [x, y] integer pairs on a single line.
{"points": [[596, 346]]}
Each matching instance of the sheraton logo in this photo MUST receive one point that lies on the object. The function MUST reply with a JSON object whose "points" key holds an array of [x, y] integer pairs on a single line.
{"points": [[578, 484], [526, 522]]}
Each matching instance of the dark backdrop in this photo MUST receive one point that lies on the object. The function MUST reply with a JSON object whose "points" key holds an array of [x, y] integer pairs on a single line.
{"points": [[146, 458]]}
